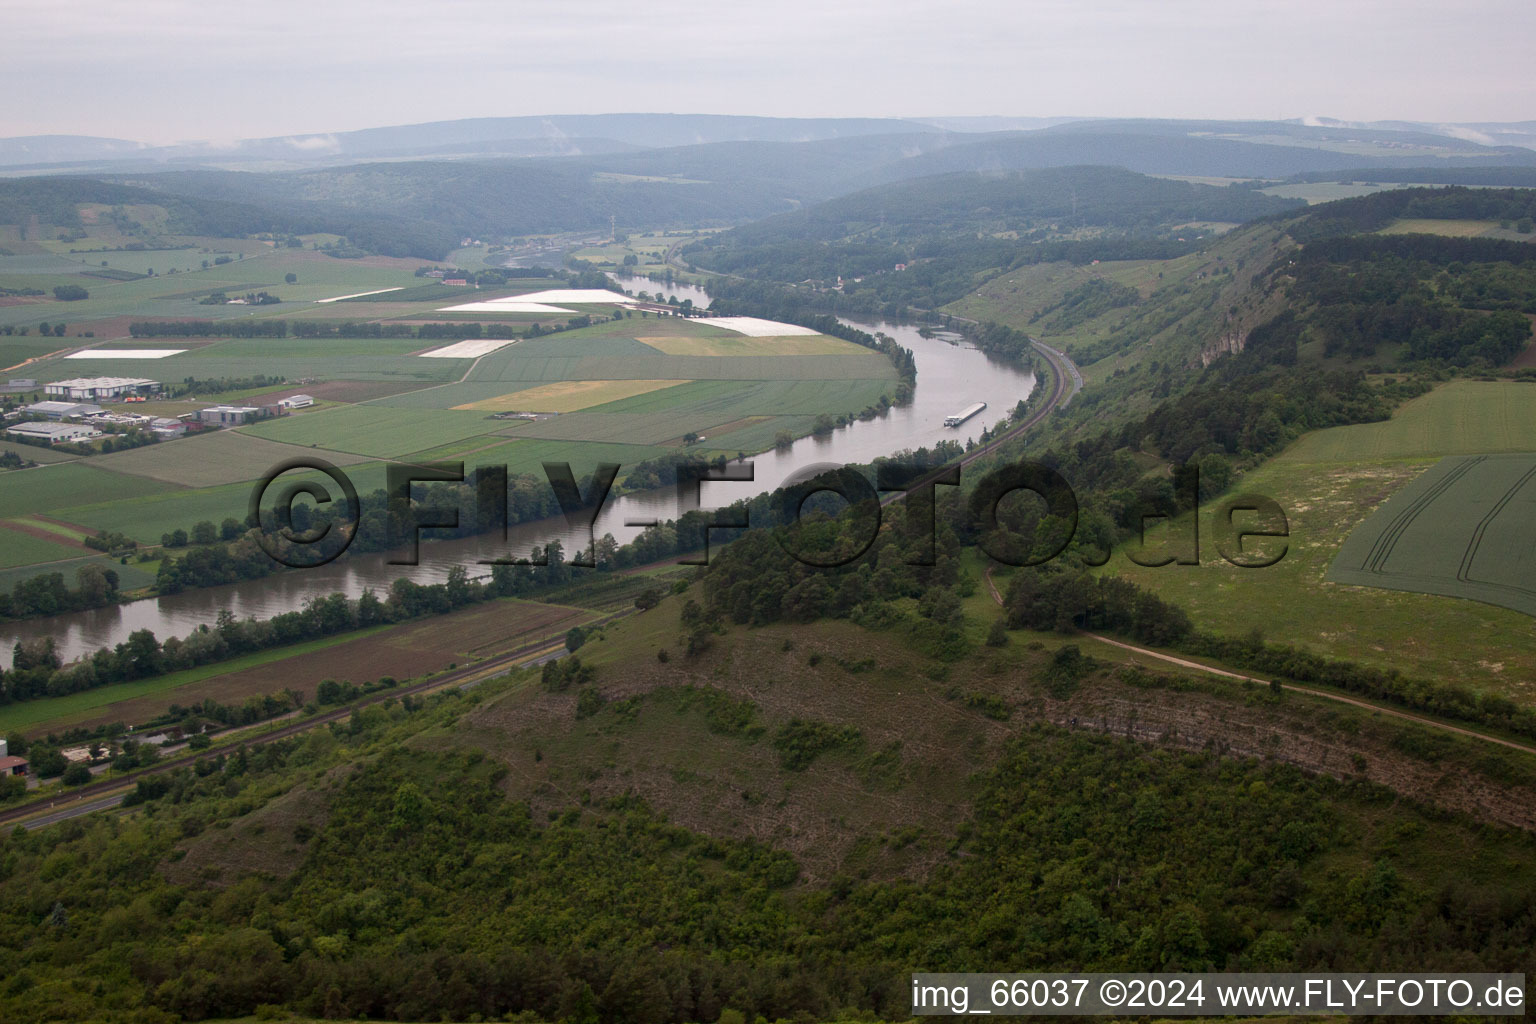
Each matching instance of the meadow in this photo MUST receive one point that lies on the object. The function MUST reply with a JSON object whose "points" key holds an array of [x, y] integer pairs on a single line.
{"points": [[1448, 228], [528, 456]]}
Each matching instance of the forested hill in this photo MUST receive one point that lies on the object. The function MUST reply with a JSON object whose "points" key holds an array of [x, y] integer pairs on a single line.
{"points": [[1026, 206], [1056, 200], [56, 201], [926, 243]]}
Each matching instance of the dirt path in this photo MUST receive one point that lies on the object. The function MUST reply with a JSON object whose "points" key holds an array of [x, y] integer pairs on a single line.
{"points": [[1326, 695]]}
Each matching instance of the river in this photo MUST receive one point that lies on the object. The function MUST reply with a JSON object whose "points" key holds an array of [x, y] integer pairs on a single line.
{"points": [[950, 376]]}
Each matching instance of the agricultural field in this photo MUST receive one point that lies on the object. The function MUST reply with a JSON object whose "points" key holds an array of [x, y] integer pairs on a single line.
{"points": [[404, 651], [1462, 529], [71, 483], [148, 517], [33, 453], [131, 576], [374, 430], [622, 390], [1459, 418], [358, 359], [1448, 228], [180, 282], [209, 459], [21, 545], [1327, 496], [570, 395], [745, 345]]}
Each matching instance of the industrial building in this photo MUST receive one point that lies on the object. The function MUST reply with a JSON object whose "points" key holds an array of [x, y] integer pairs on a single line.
{"points": [[54, 433], [63, 410], [10, 764], [229, 415], [167, 429], [98, 388], [296, 401]]}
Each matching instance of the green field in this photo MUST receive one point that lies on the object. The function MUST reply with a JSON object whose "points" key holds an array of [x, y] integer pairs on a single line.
{"points": [[14, 351], [72, 483], [294, 358], [528, 456], [374, 430], [147, 518], [130, 577], [740, 392], [32, 453], [1462, 529], [17, 548], [1326, 497], [169, 294], [1460, 418], [209, 459]]}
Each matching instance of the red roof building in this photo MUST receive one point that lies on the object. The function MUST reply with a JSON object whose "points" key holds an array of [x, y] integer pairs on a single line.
{"points": [[13, 765]]}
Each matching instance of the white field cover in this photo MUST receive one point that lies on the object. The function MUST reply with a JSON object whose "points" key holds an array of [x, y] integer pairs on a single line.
{"points": [[754, 327], [359, 295], [505, 306], [125, 353], [469, 349], [543, 301]]}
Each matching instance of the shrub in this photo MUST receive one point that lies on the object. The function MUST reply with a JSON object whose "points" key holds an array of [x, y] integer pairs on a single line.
{"points": [[77, 775]]}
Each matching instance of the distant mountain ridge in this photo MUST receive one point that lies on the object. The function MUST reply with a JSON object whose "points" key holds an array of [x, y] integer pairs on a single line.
{"points": [[597, 134]]}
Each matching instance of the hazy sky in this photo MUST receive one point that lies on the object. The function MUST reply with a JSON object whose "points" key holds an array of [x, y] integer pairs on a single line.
{"points": [[168, 70]]}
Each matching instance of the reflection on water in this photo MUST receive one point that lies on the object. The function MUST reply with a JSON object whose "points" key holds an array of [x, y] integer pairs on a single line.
{"points": [[950, 377]]}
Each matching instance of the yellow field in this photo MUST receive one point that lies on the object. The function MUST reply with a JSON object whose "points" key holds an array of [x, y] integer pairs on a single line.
{"points": [[568, 395], [742, 345], [1449, 228]]}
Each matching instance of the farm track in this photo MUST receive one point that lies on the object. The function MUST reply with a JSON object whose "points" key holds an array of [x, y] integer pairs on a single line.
{"points": [[1293, 687]]}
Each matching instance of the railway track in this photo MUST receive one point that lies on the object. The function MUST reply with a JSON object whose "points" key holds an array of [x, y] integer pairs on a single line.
{"points": [[109, 793]]}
